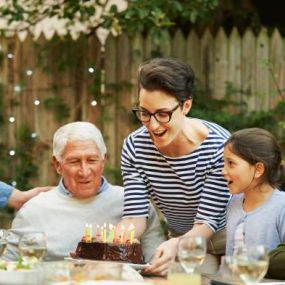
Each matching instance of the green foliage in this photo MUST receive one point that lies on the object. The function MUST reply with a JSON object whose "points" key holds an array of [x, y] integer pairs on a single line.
{"points": [[233, 114], [58, 106], [25, 167]]}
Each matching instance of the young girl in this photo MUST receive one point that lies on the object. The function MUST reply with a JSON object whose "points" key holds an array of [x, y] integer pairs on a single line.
{"points": [[253, 169]]}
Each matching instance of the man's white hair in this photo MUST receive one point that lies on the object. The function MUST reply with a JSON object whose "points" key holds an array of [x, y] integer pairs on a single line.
{"points": [[77, 131]]}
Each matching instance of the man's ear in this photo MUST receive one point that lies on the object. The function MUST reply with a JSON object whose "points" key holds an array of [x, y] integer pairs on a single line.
{"points": [[259, 169], [56, 165]]}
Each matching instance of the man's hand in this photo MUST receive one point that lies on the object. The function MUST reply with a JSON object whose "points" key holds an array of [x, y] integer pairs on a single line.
{"points": [[18, 198], [162, 258]]}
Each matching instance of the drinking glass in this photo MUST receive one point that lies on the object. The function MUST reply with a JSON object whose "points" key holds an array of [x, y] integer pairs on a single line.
{"points": [[33, 246], [191, 252], [251, 263], [3, 240]]}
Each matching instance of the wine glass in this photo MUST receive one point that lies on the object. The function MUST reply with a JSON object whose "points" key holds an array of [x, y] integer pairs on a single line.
{"points": [[251, 263], [3, 240], [33, 246], [191, 252]]}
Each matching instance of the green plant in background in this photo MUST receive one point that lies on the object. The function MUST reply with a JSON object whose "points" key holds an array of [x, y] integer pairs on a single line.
{"points": [[217, 110]]}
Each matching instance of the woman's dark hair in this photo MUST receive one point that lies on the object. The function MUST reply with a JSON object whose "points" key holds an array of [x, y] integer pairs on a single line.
{"points": [[169, 75], [258, 145]]}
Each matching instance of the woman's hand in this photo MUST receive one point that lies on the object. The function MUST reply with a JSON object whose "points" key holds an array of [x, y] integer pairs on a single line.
{"points": [[162, 258], [18, 198]]}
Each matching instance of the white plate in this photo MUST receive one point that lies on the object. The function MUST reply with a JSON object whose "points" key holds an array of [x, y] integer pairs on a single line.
{"points": [[133, 265]]}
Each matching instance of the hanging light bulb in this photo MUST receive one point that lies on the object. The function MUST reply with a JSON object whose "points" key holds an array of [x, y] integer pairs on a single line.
{"points": [[17, 88], [29, 72], [91, 69], [93, 103], [37, 102], [12, 119], [12, 152], [34, 135], [14, 183], [10, 55]]}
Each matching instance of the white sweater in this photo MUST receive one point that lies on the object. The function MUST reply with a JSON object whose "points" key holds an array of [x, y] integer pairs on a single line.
{"points": [[63, 219]]}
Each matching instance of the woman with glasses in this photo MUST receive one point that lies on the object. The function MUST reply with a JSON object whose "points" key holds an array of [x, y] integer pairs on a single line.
{"points": [[173, 160]]}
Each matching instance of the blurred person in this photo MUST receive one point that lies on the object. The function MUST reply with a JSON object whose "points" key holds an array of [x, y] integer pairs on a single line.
{"points": [[82, 196]]}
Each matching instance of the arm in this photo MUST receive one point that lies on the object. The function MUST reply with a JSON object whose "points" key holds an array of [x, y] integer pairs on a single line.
{"points": [[5, 193], [138, 222], [18, 198], [136, 200], [167, 251]]}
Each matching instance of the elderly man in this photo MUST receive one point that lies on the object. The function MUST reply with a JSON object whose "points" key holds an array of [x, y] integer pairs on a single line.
{"points": [[82, 196]]}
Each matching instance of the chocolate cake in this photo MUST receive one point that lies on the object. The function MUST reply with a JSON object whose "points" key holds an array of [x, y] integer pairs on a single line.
{"points": [[127, 252]]}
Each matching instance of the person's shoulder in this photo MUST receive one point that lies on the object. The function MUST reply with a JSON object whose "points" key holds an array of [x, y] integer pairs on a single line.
{"points": [[141, 132], [217, 129], [278, 196], [42, 198], [115, 191]]}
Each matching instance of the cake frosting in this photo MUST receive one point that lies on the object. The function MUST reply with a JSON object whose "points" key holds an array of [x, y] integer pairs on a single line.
{"points": [[127, 252]]}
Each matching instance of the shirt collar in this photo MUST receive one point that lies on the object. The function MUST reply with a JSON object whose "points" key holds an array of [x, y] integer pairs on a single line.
{"points": [[104, 186]]}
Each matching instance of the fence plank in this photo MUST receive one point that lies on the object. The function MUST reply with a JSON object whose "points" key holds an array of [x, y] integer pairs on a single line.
{"points": [[248, 71], [123, 120], [110, 109], [262, 76], [193, 53], [220, 63], [234, 67], [276, 66], [179, 45], [207, 60]]}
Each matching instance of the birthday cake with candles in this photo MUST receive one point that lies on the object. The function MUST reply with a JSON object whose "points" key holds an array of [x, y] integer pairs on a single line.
{"points": [[106, 245]]}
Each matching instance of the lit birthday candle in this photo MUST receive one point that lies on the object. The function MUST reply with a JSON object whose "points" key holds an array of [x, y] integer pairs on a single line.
{"points": [[122, 235], [98, 233], [111, 233], [131, 230], [104, 233], [88, 233]]}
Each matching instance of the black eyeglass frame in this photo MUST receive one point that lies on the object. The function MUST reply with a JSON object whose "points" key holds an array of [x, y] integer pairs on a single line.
{"points": [[136, 112]]}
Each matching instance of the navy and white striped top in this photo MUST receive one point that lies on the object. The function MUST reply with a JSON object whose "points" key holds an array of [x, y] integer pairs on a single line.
{"points": [[188, 189]]}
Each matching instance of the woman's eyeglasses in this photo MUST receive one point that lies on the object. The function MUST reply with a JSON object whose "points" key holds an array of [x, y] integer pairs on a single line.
{"points": [[160, 116]]}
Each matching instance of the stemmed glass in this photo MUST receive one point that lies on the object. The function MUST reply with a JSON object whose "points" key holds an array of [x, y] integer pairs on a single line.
{"points": [[251, 263], [3, 240], [33, 246], [191, 252]]}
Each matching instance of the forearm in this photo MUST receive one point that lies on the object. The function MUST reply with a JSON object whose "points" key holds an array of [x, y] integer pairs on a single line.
{"points": [[15, 200], [138, 222], [200, 230]]}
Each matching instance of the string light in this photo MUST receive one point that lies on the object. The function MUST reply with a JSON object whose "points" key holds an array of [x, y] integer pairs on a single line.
{"points": [[29, 72], [10, 55], [12, 119], [91, 69], [94, 103], [14, 183], [34, 135], [12, 152], [17, 88], [37, 102]]}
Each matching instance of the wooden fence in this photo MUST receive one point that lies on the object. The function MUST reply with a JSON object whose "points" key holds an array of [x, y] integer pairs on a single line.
{"points": [[254, 64]]}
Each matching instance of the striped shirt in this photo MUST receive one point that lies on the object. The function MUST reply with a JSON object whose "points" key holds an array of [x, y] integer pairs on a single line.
{"points": [[188, 189]]}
